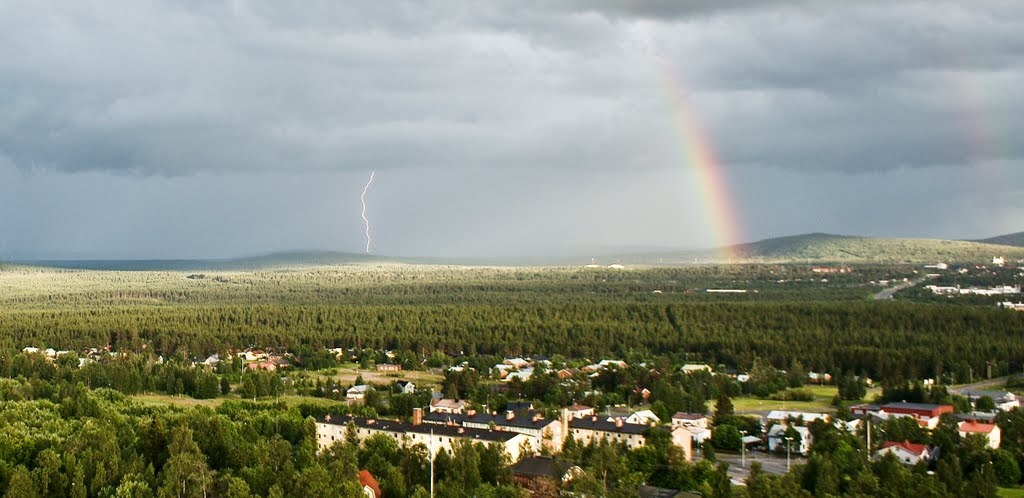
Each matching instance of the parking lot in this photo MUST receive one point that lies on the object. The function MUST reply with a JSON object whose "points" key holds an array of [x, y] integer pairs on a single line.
{"points": [[772, 464]]}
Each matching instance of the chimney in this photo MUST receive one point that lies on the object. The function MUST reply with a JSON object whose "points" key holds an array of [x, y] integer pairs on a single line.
{"points": [[594, 418], [536, 417], [460, 430], [371, 422], [417, 416], [510, 415], [618, 423], [471, 413]]}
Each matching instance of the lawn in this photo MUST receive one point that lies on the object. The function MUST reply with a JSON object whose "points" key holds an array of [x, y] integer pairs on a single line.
{"points": [[348, 375], [822, 401], [1011, 492], [176, 401], [187, 402]]}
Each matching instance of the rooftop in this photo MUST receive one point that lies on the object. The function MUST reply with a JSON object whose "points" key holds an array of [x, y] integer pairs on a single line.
{"points": [[541, 467], [689, 416], [916, 406], [977, 428], [399, 427], [521, 419], [914, 448], [603, 425]]}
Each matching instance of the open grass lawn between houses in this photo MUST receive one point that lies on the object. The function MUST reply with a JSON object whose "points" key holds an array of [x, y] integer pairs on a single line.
{"points": [[188, 402], [348, 376], [822, 401], [1011, 492]]}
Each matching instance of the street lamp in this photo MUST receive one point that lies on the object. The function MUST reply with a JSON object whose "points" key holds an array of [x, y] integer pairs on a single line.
{"points": [[743, 449], [787, 440]]}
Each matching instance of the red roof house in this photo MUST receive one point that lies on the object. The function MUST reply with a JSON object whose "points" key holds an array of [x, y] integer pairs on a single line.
{"points": [[370, 485]]}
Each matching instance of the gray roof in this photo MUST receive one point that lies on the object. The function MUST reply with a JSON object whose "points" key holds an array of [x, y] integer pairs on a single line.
{"points": [[995, 395], [603, 425], [400, 427], [523, 419], [913, 406], [541, 467], [689, 416]]}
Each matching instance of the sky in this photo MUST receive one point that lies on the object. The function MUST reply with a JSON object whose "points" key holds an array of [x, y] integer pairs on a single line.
{"points": [[188, 129]]}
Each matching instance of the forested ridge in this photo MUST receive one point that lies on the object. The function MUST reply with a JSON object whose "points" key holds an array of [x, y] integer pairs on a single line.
{"points": [[788, 314], [880, 339]]}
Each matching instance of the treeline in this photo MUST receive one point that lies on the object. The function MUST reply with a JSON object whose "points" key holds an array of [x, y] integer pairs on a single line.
{"points": [[81, 442], [129, 373], [881, 340], [42, 289]]}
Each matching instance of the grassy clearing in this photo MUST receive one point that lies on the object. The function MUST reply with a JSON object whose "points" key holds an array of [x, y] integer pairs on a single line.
{"points": [[177, 401], [348, 376], [187, 402], [822, 401], [1011, 492]]}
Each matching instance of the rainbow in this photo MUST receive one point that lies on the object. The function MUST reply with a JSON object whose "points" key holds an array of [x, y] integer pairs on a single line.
{"points": [[698, 153]]}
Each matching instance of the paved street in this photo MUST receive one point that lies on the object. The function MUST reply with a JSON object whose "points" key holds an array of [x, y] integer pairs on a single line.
{"points": [[772, 464]]}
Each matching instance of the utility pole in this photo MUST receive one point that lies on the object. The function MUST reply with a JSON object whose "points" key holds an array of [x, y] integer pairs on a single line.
{"points": [[869, 435], [431, 463]]}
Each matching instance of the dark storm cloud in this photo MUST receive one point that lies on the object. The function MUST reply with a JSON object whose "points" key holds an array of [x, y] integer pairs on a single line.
{"points": [[172, 88], [158, 128]]}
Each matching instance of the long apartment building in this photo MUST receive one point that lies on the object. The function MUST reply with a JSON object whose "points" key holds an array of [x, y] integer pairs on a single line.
{"points": [[435, 437], [523, 420]]}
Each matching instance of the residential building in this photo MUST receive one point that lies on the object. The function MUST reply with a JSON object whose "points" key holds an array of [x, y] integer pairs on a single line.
{"points": [[388, 367], [568, 373], [530, 472], [442, 405], [783, 416], [991, 432], [643, 417], [906, 452], [777, 439], [927, 415], [577, 410], [523, 375], [517, 362], [523, 420], [596, 428], [371, 488], [699, 434], [694, 368], [406, 387], [356, 392], [690, 420], [436, 438], [1004, 400]]}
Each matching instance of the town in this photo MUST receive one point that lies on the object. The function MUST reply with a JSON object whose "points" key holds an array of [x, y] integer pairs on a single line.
{"points": [[544, 419]]}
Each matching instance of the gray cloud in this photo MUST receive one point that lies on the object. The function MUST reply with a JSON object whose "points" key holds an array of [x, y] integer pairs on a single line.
{"points": [[156, 87], [512, 121]]}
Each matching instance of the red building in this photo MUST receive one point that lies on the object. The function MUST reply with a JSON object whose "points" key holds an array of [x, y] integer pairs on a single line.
{"points": [[926, 414]]}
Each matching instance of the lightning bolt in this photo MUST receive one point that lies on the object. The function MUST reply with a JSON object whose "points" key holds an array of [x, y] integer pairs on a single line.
{"points": [[366, 221]]}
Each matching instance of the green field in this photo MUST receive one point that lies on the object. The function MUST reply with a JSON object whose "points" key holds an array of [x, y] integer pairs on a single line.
{"points": [[822, 401]]}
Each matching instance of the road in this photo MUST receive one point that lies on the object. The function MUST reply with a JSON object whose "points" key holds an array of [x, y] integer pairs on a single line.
{"points": [[891, 291], [999, 383], [772, 464]]}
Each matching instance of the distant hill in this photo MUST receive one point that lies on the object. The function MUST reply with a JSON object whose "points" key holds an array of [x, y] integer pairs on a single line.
{"points": [[825, 248], [842, 248], [1012, 239], [807, 248], [291, 259]]}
